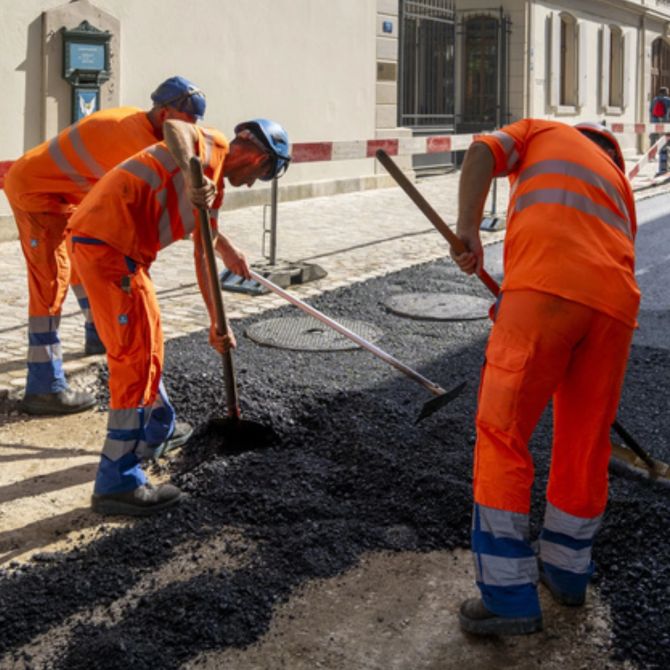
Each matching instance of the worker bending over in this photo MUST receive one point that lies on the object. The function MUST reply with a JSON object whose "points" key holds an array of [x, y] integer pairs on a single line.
{"points": [[43, 188], [562, 332], [143, 205]]}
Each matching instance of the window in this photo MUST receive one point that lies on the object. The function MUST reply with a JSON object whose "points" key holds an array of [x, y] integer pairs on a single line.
{"points": [[568, 64], [615, 98], [567, 73]]}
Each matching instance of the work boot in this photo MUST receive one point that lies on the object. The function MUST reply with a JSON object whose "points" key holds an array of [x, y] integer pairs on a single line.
{"points": [[561, 597], [68, 401], [180, 436], [142, 501], [475, 618]]}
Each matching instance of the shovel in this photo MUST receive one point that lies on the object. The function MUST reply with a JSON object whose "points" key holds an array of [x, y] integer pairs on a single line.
{"points": [[656, 469], [238, 434], [429, 407]]}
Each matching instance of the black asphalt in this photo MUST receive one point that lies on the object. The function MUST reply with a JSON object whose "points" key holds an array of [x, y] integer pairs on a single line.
{"points": [[348, 473]]}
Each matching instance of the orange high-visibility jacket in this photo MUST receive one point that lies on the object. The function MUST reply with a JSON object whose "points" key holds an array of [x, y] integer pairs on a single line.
{"points": [[56, 175], [142, 205], [571, 218]]}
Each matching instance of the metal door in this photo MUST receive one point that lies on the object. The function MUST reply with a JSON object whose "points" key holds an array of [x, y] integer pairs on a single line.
{"points": [[484, 70], [426, 61]]}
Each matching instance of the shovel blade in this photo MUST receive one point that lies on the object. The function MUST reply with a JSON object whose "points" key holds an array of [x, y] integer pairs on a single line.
{"points": [[439, 402]]}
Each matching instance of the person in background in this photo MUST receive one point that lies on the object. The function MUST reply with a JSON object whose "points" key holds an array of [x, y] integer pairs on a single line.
{"points": [[659, 112], [562, 330], [43, 188]]}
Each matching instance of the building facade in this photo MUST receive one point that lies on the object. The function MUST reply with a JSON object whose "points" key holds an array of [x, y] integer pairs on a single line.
{"points": [[334, 70]]}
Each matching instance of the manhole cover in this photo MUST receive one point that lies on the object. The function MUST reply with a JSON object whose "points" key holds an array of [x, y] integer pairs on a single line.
{"points": [[439, 306], [308, 334]]}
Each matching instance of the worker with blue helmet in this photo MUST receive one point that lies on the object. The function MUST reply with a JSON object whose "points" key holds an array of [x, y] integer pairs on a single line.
{"points": [[182, 95], [273, 138]]}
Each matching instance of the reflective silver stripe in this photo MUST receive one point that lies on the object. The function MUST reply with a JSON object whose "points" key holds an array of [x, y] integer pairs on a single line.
{"points": [[209, 144], [509, 147], [78, 144], [141, 171], [115, 449], [66, 167], [43, 324], [501, 523], [185, 207], [501, 571], [164, 157], [577, 171], [582, 203], [123, 419], [164, 230], [574, 560], [579, 528], [79, 291], [44, 353]]}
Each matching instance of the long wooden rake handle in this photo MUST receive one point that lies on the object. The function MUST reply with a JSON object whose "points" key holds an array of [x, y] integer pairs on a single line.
{"points": [[486, 278]]}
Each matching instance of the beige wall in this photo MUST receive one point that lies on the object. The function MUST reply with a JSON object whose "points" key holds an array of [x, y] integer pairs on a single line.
{"points": [[310, 64]]}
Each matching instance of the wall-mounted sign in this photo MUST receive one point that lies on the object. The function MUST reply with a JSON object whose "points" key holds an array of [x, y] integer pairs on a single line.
{"points": [[85, 66], [85, 101]]}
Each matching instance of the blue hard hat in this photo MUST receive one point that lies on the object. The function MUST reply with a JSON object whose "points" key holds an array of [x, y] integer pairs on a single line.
{"points": [[273, 136], [182, 95]]}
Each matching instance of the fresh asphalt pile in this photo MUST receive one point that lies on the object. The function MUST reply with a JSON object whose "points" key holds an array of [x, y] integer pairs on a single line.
{"points": [[348, 473]]}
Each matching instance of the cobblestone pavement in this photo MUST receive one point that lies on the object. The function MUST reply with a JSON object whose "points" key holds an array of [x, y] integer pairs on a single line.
{"points": [[352, 236]]}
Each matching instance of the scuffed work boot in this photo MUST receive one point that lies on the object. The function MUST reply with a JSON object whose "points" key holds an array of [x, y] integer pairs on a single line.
{"points": [[63, 402], [476, 619], [180, 436], [142, 501]]}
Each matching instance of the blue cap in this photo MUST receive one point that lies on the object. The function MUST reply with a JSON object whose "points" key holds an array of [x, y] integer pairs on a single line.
{"points": [[274, 137], [182, 95]]}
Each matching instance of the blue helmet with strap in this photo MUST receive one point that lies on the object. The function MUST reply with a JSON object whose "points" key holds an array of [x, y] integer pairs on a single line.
{"points": [[274, 138], [182, 95]]}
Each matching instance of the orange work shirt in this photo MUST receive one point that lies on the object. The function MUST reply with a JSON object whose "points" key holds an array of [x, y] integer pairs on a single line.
{"points": [[142, 205], [571, 220], [55, 176]]}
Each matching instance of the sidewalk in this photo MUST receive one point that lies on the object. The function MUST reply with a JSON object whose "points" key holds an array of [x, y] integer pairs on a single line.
{"points": [[352, 236]]}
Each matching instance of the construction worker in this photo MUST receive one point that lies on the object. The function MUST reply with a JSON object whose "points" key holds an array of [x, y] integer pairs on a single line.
{"points": [[43, 188], [137, 209], [562, 331]]}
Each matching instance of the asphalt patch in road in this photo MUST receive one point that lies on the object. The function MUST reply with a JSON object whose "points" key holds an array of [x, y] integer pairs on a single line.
{"points": [[347, 473]]}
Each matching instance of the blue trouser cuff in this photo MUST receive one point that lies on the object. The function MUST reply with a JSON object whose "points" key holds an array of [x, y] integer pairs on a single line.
{"points": [[567, 582], [511, 601], [46, 377], [124, 474]]}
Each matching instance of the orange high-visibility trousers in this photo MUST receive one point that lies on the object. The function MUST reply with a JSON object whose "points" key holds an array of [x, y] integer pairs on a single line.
{"points": [[542, 346], [125, 308]]}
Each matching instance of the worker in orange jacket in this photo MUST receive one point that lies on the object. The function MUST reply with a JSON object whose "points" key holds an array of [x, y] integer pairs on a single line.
{"points": [[43, 188], [143, 205], [562, 331]]}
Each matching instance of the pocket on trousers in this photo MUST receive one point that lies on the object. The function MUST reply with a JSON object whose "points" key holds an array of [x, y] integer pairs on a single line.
{"points": [[502, 383]]}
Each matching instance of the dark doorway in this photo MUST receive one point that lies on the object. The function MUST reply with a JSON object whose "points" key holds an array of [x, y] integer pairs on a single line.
{"points": [[660, 65], [485, 71]]}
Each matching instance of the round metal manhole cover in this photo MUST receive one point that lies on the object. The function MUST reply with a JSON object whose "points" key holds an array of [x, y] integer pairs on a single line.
{"points": [[308, 334], [439, 306]]}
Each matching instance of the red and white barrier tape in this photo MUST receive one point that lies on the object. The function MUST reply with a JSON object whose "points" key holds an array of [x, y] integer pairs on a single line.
{"points": [[648, 157]]}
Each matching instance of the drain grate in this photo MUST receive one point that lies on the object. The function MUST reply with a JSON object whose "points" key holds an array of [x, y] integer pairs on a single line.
{"points": [[308, 334], [439, 306]]}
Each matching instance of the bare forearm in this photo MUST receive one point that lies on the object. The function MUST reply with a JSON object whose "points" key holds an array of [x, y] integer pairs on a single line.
{"points": [[476, 177]]}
